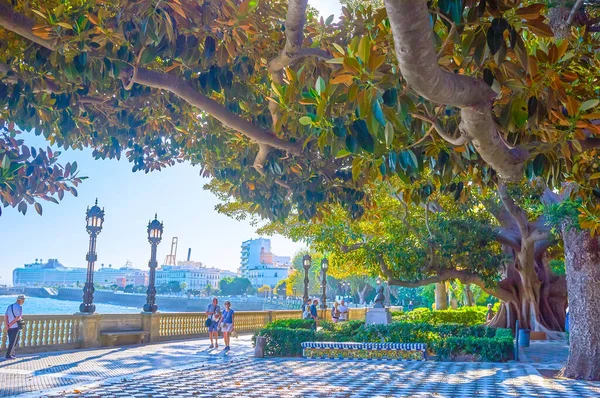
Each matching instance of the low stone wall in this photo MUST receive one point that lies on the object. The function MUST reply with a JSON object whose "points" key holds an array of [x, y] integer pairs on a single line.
{"points": [[69, 332]]}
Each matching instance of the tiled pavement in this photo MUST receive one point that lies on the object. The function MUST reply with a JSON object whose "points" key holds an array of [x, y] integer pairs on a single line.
{"points": [[545, 355], [188, 369]]}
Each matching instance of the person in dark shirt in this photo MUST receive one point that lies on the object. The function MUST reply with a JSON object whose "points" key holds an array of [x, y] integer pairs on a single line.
{"points": [[314, 313]]}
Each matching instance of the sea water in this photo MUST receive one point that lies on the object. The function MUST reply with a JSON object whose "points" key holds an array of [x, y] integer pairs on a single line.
{"points": [[48, 306]]}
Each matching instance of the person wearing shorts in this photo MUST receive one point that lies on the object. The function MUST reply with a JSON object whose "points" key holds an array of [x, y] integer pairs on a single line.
{"points": [[226, 324], [214, 312]]}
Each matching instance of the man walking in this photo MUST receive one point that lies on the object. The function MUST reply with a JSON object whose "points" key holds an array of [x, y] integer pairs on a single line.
{"points": [[12, 322], [214, 313]]}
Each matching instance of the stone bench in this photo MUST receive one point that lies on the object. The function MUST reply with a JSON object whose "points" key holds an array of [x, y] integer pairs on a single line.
{"points": [[110, 338], [390, 351]]}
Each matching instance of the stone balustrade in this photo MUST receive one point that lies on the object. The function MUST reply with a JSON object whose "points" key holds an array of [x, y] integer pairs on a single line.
{"points": [[69, 332]]}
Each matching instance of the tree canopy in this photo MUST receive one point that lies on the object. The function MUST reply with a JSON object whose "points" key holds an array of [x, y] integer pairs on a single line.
{"points": [[287, 110]]}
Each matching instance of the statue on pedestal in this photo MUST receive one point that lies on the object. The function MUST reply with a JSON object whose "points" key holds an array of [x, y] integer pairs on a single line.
{"points": [[379, 314], [379, 298]]}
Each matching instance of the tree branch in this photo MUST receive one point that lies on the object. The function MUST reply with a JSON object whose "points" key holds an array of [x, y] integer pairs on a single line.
{"points": [[576, 7], [515, 211], [294, 36], [182, 89], [418, 63], [22, 25], [351, 248], [442, 275], [458, 141]]}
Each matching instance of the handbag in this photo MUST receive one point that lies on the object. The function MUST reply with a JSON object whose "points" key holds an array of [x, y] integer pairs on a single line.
{"points": [[208, 322], [20, 322]]}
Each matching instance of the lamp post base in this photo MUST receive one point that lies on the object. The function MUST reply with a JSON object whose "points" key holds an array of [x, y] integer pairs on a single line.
{"points": [[150, 308], [87, 308]]}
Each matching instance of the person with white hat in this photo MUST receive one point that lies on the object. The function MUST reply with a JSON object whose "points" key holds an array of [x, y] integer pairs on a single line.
{"points": [[13, 323]]}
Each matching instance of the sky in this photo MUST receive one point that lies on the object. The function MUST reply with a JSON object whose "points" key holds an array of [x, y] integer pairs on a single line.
{"points": [[130, 200]]}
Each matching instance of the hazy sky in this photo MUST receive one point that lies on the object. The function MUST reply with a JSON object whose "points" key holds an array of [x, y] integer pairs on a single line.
{"points": [[130, 200]]}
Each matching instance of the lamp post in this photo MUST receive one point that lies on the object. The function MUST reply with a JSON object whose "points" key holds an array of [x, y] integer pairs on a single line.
{"points": [[155, 231], [94, 219], [324, 266], [306, 262]]}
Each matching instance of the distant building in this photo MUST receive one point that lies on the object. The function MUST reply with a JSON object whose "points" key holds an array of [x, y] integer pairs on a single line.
{"points": [[126, 275], [53, 273], [195, 275], [260, 265], [227, 274]]}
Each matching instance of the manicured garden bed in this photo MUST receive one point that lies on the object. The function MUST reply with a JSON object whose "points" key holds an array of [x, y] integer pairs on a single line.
{"points": [[445, 341]]}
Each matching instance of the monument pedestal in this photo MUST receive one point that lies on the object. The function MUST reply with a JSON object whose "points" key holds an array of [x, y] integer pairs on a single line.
{"points": [[378, 316]]}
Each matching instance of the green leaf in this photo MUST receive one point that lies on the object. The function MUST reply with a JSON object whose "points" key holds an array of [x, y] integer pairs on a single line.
{"points": [[340, 49], [342, 153], [378, 112], [390, 97], [329, 20], [339, 131], [589, 104], [351, 143], [356, 167], [495, 34], [148, 55], [519, 112], [305, 120], [320, 85], [5, 162], [389, 134], [359, 128]]}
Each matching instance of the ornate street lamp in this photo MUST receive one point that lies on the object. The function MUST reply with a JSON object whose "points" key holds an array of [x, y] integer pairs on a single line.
{"points": [[306, 263], [94, 219], [155, 231], [324, 266]]}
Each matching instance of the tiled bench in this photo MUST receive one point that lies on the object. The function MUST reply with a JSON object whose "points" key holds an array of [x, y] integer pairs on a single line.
{"points": [[393, 351]]}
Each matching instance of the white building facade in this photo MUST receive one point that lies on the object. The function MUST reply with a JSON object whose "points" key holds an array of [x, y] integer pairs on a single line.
{"points": [[260, 265], [195, 275]]}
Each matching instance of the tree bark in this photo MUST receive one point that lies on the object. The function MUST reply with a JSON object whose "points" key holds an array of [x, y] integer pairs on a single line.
{"points": [[413, 40], [441, 296], [22, 25], [582, 261]]}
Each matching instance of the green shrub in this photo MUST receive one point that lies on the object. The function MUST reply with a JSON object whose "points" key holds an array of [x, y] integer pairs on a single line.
{"points": [[495, 348], [446, 340], [285, 342], [291, 324], [467, 316]]}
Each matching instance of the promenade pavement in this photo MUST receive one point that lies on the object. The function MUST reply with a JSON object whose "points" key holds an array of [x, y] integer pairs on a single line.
{"points": [[190, 369]]}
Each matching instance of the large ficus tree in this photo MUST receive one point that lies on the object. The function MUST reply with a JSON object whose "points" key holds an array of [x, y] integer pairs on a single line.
{"points": [[288, 111]]}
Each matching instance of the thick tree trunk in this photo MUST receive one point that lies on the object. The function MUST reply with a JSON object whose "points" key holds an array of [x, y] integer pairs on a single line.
{"points": [[441, 296], [535, 296], [582, 260]]}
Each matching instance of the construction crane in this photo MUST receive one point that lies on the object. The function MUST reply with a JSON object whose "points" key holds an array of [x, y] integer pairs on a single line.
{"points": [[171, 258]]}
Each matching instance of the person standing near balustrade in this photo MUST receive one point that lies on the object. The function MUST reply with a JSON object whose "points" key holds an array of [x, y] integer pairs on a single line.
{"points": [[214, 313], [226, 324], [13, 323]]}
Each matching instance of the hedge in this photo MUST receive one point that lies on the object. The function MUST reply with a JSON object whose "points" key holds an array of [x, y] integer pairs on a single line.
{"points": [[446, 341], [292, 324], [468, 316]]}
